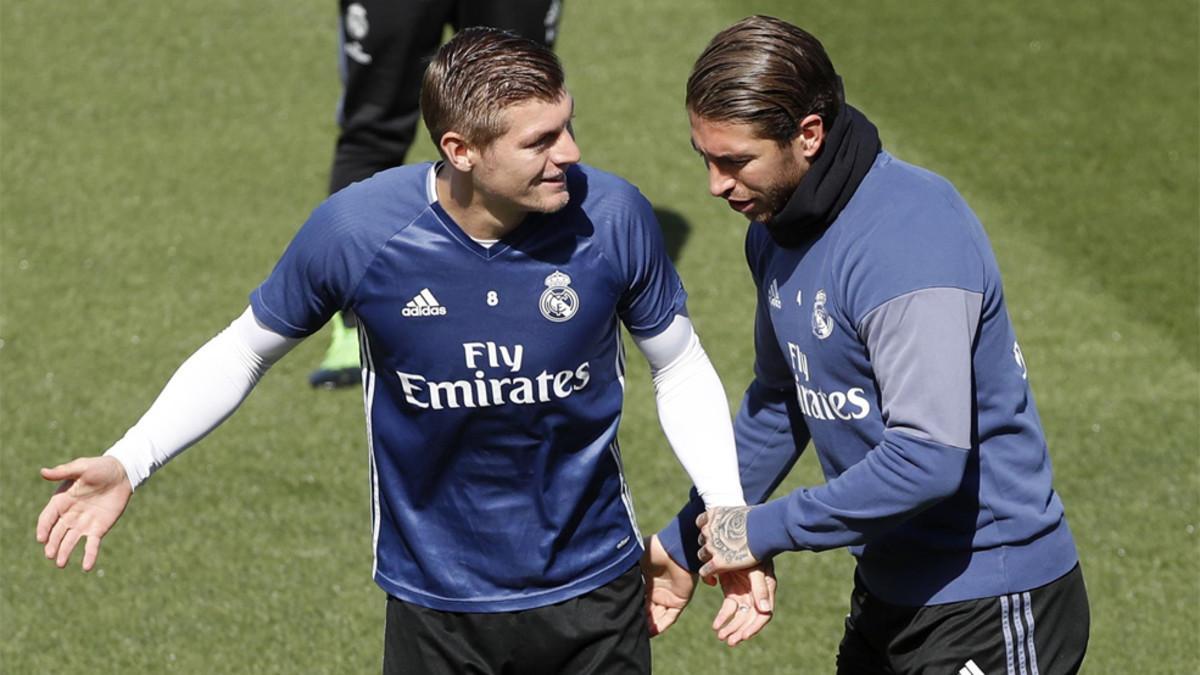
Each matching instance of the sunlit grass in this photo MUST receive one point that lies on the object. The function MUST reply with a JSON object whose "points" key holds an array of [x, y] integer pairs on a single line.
{"points": [[155, 158]]}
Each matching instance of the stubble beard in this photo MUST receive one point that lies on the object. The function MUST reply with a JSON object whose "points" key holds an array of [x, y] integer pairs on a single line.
{"points": [[555, 203], [774, 200], [777, 195]]}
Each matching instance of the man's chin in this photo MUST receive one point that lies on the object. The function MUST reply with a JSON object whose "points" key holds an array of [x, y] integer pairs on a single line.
{"points": [[553, 203], [751, 210], [758, 215]]}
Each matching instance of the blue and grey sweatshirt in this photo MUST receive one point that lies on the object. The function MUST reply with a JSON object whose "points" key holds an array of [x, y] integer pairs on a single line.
{"points": [[886, 340]]}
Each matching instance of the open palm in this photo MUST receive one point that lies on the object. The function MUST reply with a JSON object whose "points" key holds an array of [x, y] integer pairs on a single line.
{"points": [[749, 603], [669, 587], [93, 495]]}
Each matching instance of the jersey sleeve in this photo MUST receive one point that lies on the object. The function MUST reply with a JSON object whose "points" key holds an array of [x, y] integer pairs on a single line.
{"points": [[920, 346], [313, 279], [938, 246], [925, 381], [653, 292]]}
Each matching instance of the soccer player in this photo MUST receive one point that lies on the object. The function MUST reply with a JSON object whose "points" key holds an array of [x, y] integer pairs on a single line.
{"points": [[490, 287], [385, 46], [881, 335]]}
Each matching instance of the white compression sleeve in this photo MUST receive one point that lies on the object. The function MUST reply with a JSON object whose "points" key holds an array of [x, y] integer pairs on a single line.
{"points": [[693, 411], [205, 390]]}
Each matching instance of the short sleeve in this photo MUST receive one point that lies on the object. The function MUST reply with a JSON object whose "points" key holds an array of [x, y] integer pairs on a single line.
{"points": [[311, 281], [653, 292]]}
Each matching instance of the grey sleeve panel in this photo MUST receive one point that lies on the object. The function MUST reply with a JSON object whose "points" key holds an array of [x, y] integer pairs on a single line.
{"points": [[920, 350]]}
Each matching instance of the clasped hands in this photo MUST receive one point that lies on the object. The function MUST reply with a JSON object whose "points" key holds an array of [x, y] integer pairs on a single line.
{"points": [[748, 586]]}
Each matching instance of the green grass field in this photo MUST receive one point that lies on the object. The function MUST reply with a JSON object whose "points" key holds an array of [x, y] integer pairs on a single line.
{"points": [[157, 157]]}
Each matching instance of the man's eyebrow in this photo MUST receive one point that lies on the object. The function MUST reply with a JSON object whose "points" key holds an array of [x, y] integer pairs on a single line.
{"points": [[542, 137], [731, 157]]}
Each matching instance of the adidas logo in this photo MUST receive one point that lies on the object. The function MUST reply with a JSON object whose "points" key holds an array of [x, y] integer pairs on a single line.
{"points": [[971, 669], [773, 295], [424, 304]]}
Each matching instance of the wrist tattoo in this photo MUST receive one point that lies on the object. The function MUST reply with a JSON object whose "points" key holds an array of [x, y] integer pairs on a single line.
{"points": [[728, 532]]}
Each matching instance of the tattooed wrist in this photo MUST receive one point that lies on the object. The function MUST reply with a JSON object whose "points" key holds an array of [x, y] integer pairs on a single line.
{"points": [[728, 534]]}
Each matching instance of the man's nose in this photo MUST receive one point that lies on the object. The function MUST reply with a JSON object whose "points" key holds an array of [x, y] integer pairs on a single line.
{"points": [[719, 182], [566, 151]]}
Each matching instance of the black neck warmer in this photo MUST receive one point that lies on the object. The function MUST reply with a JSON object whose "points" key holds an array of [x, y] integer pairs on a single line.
{"points": [[849, 151]]}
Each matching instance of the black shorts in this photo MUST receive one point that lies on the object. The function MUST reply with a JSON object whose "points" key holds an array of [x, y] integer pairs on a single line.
{"points": [[1043, 631], [603, 631]]}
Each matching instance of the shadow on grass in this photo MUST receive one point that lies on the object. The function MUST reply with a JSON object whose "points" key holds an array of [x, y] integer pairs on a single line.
{"points": [[676, 231]]}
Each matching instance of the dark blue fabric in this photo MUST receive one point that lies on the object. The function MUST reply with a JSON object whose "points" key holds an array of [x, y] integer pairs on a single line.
{"points": [[968, 523], [929, 523], [496, 478]]}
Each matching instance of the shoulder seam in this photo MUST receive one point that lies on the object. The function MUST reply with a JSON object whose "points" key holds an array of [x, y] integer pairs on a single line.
{"points": [[375, 256], [867, 314]]}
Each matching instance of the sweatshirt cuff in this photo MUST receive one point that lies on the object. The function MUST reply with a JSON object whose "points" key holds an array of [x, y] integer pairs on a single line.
{"points": [[680, 536], [767, 531]]}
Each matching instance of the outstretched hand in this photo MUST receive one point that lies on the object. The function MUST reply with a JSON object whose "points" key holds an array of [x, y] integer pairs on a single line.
{"points": [[669, 587], [92, 496]]}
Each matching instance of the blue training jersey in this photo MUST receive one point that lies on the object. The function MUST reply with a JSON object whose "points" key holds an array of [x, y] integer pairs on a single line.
{"points": [[493, 380]]}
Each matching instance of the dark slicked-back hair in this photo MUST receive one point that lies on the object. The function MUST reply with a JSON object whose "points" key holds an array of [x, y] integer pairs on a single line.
{"points": [[479, 73], [766, 73]]}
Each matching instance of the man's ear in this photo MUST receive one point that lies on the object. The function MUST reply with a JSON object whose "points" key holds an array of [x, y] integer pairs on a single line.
{"points": [[458, 151], [811, 137]]}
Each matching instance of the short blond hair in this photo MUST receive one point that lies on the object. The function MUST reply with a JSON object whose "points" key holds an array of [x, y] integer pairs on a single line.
{"points": [[479, 73]]}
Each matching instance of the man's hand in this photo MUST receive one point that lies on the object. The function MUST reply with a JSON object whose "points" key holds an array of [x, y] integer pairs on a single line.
{"points": [[749, 603], [749, 587], [723, 543], [88, 503], [669, 587]]}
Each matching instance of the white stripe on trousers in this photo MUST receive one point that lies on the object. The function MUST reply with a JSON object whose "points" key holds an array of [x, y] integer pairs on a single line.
{"points": [[1022, 625], [1029, 622], [1008, 645], [1020, 631]]}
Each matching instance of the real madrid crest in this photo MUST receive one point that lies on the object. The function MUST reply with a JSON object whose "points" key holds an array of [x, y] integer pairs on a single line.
{"points": [[559, 302], [822, 325]]}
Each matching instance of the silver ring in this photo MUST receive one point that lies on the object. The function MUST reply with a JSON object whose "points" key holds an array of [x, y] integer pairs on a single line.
{"points": [[743, 608]]}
